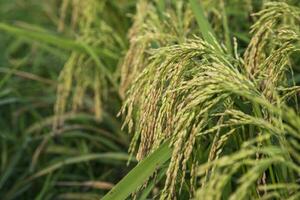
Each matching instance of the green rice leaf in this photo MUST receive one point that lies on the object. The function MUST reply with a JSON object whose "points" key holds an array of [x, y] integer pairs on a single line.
{"points": [[138, 175]]}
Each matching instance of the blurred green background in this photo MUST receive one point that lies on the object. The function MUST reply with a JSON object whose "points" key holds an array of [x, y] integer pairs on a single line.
{"points": [[85, 157]]}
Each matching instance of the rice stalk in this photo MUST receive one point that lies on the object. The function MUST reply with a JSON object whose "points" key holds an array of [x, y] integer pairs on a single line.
{"points": [[82, 73]]}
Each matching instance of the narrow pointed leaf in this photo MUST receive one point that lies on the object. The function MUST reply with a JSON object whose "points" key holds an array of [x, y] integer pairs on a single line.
{"points": [[138, 175]]}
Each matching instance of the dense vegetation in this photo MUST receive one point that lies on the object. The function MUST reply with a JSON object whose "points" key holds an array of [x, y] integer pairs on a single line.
{"points": [[202, 94]]}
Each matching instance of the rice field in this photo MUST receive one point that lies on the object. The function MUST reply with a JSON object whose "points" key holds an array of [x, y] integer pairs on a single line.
{"points": [[140, 99]]}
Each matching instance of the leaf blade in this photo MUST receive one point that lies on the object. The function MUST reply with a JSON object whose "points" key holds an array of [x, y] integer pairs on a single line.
{"points": [[136, 177]]}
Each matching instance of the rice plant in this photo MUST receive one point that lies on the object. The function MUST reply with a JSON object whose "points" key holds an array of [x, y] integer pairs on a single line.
{"points": [[214, 105], [203, 95]]}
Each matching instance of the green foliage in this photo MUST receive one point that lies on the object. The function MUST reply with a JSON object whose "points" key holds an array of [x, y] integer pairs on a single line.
{"points": [[208, 89], [82, 157]]}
